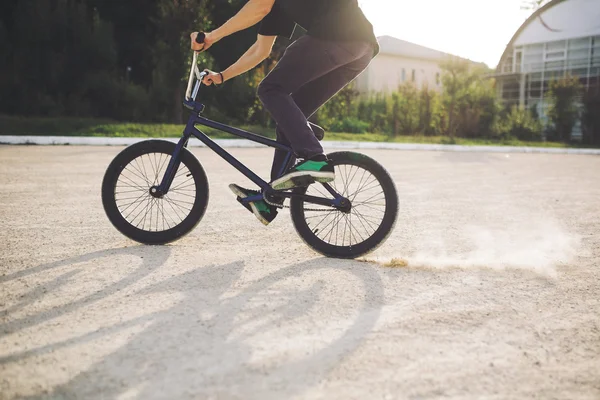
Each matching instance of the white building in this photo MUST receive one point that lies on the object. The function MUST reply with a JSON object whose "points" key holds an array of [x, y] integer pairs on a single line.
{"points": [[561, 38], [400, 61]]}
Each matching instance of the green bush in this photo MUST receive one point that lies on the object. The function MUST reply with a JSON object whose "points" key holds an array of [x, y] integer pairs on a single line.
{"points": [[349, 125], [564, 110], [520, 124], [590, 120]]}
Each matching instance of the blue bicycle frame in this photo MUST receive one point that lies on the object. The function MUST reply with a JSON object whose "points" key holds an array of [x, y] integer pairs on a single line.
{"points": [[195, 118]]}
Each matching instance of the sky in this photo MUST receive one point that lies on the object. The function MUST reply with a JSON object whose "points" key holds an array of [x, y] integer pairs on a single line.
{"points": [[475, 29]]}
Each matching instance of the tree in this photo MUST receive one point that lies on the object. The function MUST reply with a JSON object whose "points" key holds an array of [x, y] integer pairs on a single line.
{"points": [[590, 120], [520, 124], [533, 4], [468, 98], [563, 107], [405, 114], [71, 57], [430, 112]]}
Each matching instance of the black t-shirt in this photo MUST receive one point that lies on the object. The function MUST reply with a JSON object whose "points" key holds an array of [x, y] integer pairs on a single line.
{"points": [[341, 20]]}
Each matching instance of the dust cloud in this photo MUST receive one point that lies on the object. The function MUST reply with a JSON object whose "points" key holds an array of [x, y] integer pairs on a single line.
{"points": [[538, 247]]}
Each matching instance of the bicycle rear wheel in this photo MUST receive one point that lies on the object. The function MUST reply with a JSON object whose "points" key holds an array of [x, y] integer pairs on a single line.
{"points": [[135, 212], [372, 192]]}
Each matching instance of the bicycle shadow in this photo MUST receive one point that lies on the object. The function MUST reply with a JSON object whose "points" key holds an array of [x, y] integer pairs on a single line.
{"points": [[214, 344], [152, 258]]}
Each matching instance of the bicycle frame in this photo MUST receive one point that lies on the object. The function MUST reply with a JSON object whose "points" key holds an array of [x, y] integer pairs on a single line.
{"points": [[195, 118]]}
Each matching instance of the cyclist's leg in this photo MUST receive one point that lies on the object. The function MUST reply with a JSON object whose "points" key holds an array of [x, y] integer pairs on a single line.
{"points": [[280, 155], [311, 96], [304, 61]]}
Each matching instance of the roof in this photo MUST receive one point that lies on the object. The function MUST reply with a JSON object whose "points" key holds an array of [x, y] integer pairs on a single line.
{"points": [[528, 21], [397, 47], [563, 20]]}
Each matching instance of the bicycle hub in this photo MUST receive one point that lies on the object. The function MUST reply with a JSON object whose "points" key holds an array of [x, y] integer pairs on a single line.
{"points": [[156, 192]]}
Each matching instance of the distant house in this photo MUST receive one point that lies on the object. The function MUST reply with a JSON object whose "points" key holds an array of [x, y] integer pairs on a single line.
{"points": [[400, 61]]}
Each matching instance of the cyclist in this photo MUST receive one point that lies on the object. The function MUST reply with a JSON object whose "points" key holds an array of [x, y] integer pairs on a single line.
{"points": [[339, 44]]}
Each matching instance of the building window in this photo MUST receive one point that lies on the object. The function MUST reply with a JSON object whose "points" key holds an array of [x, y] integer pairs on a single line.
{"points": [[413, 75], [555, 55], [403, 74], [437, 78], [518, 61]]}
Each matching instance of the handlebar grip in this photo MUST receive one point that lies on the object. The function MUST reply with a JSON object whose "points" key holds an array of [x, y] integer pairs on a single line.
{"points": [[200, 38]]}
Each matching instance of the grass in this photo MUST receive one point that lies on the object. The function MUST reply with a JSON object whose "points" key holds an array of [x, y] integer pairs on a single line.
{"points": [[10, 125]]}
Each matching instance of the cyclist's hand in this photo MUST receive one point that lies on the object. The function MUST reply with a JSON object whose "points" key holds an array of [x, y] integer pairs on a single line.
{"points": [[209, 40], [212, 77]]}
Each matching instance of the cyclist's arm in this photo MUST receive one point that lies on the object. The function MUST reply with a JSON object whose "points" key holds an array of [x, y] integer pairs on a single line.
{"points": [[256, 54], [253, 12]]}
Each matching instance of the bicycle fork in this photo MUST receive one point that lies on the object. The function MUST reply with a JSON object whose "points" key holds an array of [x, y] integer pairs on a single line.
{"points": [[162, 189]]}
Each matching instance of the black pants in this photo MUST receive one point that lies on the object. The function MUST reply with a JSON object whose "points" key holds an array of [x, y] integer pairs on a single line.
{"points": [[310, 73]]}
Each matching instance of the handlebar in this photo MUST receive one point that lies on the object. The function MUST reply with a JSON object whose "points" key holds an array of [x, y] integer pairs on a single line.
{"points": [[190, 94], [194, 72]]}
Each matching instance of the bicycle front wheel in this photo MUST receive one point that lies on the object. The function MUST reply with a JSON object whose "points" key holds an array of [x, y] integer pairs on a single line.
{"points": [[135, 212], [372, 192]]}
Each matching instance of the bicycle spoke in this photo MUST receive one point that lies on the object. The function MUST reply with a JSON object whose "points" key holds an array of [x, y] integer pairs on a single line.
{"points": [[130, 191], [315, 228], [133, 184], [370, 198], [142, 210], [363, 225], [157, 170], [370, 223], [375, 185], [183, 194], [181, 187], [355, 172], [177, 205], [144, 166], [366, 194], [164, 164], [138, 214], [370, 207], [357, 232], [345, 226], [151, 204], [173, 208], [136, 174], [326, 226], [360, 189], [151, 168], [132, 203], [140, 174], [183, 172]]}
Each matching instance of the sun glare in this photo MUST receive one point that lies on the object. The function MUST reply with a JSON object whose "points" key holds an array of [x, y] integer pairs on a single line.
{"points": [[475, 29]]}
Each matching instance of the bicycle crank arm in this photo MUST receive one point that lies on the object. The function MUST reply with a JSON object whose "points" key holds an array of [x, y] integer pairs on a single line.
{"points": [[341, 203]]}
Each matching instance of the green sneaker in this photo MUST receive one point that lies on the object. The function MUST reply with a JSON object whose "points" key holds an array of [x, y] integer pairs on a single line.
{"points": [[316, 169], [265, 213]]}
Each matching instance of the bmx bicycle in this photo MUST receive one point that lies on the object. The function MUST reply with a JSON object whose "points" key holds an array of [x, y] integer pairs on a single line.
{"points": [[156, 191]]}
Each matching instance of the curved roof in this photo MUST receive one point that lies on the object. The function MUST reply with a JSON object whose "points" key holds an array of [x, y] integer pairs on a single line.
{"points": [[557, 20]]}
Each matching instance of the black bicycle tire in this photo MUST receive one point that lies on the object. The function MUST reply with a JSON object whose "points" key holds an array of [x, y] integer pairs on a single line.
{"points": [[146, 237], [377, 238]]}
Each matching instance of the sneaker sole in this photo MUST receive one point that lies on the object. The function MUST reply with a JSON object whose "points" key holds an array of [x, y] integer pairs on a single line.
{"points": [[302, 179], [255, 211]]}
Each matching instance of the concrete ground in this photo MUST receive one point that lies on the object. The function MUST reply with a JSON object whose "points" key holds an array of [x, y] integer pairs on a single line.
{"points": [[499, 300]]}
